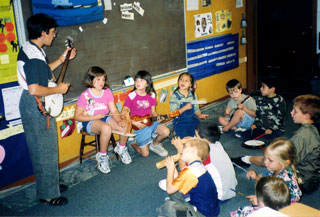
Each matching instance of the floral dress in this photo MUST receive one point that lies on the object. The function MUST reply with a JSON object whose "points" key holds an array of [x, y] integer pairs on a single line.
{"points": [[295, 192]]}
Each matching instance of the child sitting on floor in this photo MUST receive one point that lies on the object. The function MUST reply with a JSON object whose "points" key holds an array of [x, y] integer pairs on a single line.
{"points": [[194, 180], [306, 111], [272, 192], [217, 163], [270, 114], [241, 109], [181, 100], [279, 159]]}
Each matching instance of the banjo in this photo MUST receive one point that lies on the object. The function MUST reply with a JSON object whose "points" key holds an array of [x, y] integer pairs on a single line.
{"points": [[53, 104]]}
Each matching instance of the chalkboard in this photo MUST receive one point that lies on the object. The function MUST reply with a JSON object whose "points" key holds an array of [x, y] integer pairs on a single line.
{"points": [[154, 42]]}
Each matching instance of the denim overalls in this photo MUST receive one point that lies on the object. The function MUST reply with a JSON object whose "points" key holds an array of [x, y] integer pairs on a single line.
{"points": [[186, 123]]}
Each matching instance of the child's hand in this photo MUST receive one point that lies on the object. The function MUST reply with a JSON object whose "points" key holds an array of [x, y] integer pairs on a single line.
{"points": [[169, 162], [203, 116], [160, 119], [188, 106], [122, 124], [176, 141], [99, 116], [251, 174], [240, 106], [139, 124], [253, 126], [268, 131], [253, 199]]}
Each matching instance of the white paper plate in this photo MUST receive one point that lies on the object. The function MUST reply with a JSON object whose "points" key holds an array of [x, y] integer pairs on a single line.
{"points": [[254, 143]]}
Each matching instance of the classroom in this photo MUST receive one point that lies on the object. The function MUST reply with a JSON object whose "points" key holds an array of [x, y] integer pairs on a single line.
{"points": [[212, 41]]}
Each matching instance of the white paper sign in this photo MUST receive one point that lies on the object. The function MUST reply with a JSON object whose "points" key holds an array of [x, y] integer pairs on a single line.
{"points": [[11, 98], [127, 15], [136, 6]]}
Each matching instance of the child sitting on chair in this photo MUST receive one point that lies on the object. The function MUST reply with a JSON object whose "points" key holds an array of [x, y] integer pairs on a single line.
{"points": [[194, 180], [93, 107]]}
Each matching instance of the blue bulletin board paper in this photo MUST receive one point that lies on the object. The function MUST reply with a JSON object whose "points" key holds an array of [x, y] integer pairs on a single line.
{"points": [[213, 55]]}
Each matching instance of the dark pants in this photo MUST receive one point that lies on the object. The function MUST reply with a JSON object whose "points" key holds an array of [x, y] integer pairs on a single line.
{"points": [[43, 147]]}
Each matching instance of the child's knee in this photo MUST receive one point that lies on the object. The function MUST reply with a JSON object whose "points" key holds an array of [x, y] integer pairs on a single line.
{"points": [[166, 132], [239, 113], [106, 129], [144, 153]]}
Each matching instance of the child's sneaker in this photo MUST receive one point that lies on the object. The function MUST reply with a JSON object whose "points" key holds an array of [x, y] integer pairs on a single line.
{"points": [[103, 163], [124, 155], [158, 149]]}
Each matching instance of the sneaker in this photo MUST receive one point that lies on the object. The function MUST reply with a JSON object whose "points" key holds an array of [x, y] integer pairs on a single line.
{"points": [[103, 163], [239, 162], [238, 134], [158, 149], [124, 155], [163, 184], [239, 129]]}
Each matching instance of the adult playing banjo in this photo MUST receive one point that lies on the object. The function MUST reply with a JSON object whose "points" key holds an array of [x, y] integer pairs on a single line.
{"points": [[34, 72]]}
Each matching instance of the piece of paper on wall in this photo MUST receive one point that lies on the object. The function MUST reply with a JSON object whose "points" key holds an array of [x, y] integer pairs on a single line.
{"points": [[127, 15], [239, 3], [11, 98], [136, 6], [203, 24], [4, 59], [192, 5], [164, 95], [126, 7], [223, 20], [107, 5]]}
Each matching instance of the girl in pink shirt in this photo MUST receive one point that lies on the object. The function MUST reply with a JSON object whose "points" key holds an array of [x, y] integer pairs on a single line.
{"points": [[142, 102], [93, 107]]}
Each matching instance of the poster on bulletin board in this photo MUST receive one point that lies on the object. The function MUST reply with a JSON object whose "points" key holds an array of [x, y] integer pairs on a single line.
{"points": [[203, 25], [223, 20], [8, 43]]}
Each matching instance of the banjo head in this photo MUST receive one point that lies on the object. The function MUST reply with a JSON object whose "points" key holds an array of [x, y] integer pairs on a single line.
{"points": [[53, 103]]}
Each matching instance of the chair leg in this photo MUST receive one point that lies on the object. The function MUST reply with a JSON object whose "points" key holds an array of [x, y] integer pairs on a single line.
{"points": [[82, 147], [114, 144], [97, 143]]}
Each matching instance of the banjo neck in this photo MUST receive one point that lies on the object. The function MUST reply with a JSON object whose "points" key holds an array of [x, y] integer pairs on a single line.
{"points": [[64, 67]]}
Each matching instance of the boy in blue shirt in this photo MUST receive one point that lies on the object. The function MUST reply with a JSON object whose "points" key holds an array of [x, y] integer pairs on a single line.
{"points": [[194, 180]]}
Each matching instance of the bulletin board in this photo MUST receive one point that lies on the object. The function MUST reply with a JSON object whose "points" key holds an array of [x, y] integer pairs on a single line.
{"points": [[154, 42], [8, 43]]}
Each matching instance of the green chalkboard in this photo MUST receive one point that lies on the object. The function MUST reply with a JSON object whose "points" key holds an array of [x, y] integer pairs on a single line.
{"points": [[154, 42]]}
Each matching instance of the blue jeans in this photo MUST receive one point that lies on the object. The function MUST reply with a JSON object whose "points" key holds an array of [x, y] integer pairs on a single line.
{"points": [[87, 124], [146, 135]]}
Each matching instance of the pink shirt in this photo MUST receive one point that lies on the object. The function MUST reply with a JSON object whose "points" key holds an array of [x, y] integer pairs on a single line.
{"points": [[140, 105], [95, 104]]}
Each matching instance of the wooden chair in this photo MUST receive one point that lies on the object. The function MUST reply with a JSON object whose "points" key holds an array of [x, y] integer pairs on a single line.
{"points": [[95, 143]]}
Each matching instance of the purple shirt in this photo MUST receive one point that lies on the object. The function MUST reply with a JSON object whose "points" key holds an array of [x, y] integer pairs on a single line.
{"points": [[95, 104], [140, 105]]}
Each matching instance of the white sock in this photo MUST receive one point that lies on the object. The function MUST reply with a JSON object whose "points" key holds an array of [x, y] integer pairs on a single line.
{"points": [[246, 159]]}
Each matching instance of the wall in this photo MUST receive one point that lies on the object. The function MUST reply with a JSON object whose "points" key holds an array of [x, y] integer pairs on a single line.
{"points": [[211, 88]]}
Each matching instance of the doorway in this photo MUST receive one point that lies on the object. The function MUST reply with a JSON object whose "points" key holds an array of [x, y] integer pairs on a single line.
{"points": [[285, 43]]}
